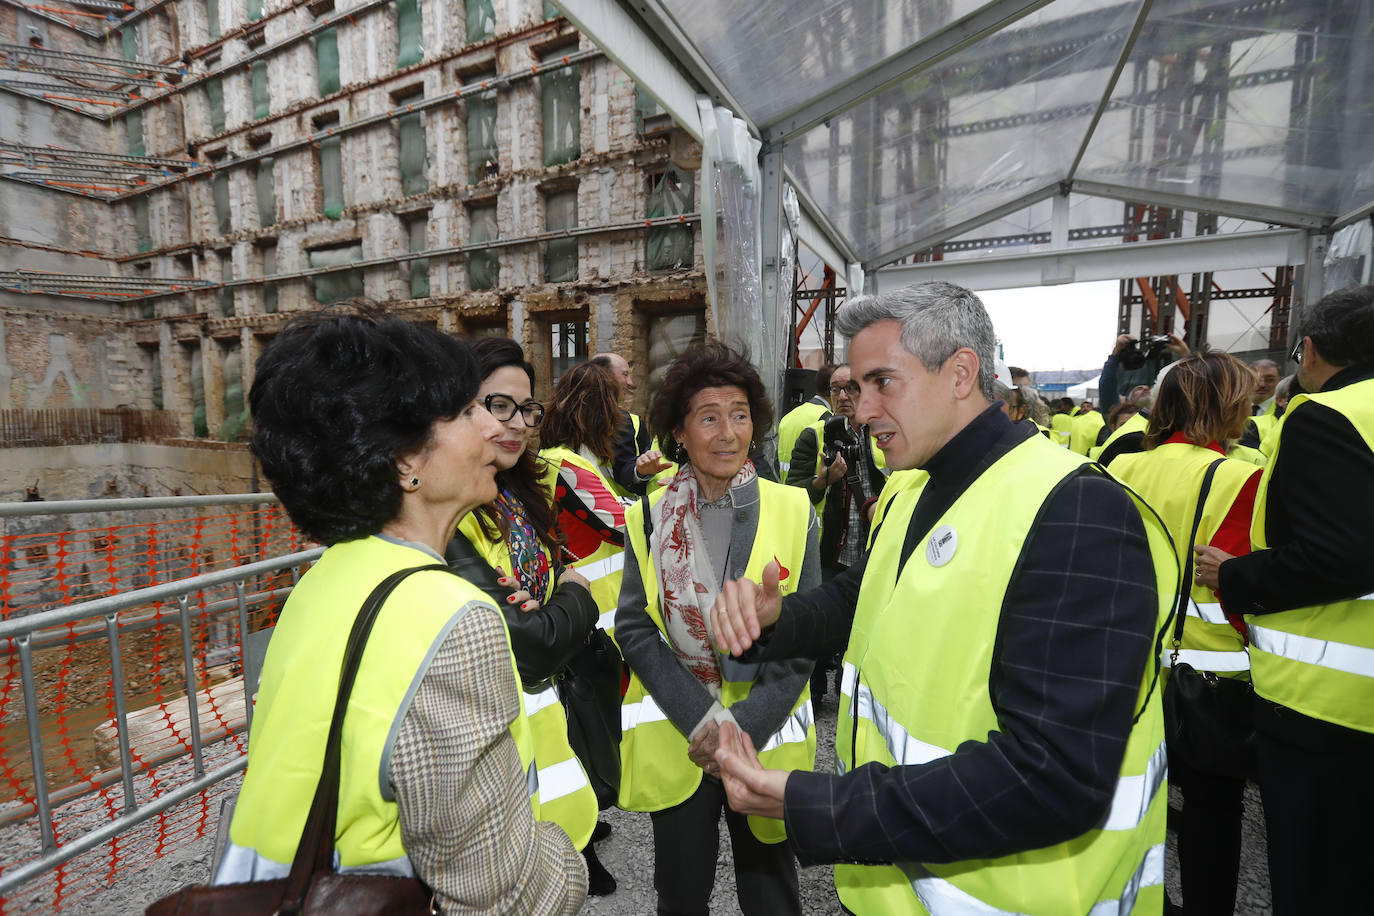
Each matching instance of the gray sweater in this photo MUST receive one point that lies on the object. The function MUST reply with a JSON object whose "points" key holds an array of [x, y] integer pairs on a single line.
{"points": [[680, 695]]}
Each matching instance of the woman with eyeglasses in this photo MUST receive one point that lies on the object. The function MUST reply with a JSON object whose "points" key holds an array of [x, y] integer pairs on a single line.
{"points": [[510, 548]]}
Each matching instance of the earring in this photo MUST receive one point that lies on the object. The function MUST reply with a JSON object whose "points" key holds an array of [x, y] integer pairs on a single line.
{"points": [[415, 483]]}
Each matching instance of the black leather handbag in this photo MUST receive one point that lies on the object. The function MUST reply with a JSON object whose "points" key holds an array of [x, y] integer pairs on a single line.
{"points": [[590, 690], [1208, 720], [313, 887]]}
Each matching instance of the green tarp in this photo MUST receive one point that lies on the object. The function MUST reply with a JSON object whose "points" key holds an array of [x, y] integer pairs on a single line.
{"points": [[670, 247], [212, 17], [338, 284], [142, 230], [327, 60], [214, 97], [255, 10], [235, 410], [265, 185], [408, 34], [419, 268], [262, 95], [331, 176], [219, 187], [561, 99], [484, 267], [481, 20], [412, 157], [133, 126], [198, 425], [269, 267], [155, 373], [560, 259], [481, 123], [226, 295]]}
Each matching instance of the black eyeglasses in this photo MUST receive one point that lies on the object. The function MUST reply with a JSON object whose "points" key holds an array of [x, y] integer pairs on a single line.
{"points": [[503, 407], [1296, 355]]}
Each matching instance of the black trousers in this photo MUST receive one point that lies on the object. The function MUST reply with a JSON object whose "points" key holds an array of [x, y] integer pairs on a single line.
{"points": [[686, 844], [1208, 839], [1318, 807]]}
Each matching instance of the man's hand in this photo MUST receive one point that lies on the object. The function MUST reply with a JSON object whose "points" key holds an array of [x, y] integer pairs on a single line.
{"points": [[1177, 346], [702, 750], [651, 463], [743, 608], [572, 575], [1121, 342], [1207, 565], [835, 470], [751, 788]]}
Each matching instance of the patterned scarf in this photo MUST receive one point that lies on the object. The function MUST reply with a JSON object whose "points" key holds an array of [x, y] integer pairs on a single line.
{"points": [[527, 554], [687, 578]]}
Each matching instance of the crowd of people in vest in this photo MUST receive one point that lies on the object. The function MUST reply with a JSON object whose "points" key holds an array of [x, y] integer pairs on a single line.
{"points": [[1002, 587]]}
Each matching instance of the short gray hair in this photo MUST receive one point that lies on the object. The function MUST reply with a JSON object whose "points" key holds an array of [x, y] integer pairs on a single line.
{"points": [[937, 319]]}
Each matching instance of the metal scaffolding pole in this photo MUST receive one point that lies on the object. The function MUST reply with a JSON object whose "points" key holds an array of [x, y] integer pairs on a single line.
{"points": [[119, 63]]}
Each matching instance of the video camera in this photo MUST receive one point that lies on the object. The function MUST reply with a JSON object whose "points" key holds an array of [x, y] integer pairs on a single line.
{"points": [[1135, 353]]}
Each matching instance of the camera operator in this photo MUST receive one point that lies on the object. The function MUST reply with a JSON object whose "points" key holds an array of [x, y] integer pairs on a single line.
{"points": [[1133, 362]]}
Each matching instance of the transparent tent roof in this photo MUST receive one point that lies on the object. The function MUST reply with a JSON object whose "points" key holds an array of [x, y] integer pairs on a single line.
{"points": [[907, 124]]}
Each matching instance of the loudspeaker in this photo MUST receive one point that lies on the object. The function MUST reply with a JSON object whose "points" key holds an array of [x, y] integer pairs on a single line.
{"points": [[798, 385]]}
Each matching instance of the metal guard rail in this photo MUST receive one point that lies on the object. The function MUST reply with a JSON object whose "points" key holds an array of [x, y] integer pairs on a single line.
{"points": [[21, 631]]}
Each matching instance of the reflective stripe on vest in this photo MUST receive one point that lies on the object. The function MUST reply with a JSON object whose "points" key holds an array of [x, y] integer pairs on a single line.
{"points": [[241, 864], [1209, 611], [561, 779], [1322, 652], [1205, 660], [600, 569], [793, 729], [534, 702], [941, 898], [607, 620], [635, 714]]}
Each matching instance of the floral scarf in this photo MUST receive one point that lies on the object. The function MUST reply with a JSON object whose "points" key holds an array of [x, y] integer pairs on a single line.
{"points": [[526, 552], [687, 579]]}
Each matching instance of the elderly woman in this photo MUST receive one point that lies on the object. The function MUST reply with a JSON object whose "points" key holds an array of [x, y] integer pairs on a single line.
{"points": [[715, 518], [510, 548], [368, 429], [1200, 406]]}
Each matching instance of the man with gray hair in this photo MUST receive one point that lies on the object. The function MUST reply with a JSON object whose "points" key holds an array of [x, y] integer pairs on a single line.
{"points": [[1000, 745], [1266, 379]]}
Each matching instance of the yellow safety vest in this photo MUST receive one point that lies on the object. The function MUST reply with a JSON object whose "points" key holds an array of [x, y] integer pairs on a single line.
{"points": [[1061, 429], [915, 688], [1136, 423], [655, 771], [1169, 478], [603, 567], [565, 795], [296, 701], [1266, 424], [1083, 431], [1318, 660], [790, 429]]}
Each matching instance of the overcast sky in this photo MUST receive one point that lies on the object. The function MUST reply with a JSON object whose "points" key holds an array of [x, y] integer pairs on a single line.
{"points": [[1055, 327]]}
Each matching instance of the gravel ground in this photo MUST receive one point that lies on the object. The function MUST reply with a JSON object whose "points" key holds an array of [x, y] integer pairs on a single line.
{"points": [[626, 855]]}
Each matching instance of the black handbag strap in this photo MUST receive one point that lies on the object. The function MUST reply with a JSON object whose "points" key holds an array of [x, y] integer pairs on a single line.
{"points": [[1185, 590], [316, 850]]}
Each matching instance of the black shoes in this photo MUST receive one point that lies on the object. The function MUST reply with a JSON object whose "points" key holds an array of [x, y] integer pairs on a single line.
{"points": [[599, 881]]}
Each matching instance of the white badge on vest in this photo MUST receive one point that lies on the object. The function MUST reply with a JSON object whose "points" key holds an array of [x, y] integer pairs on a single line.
{"points": [[941, 546]]}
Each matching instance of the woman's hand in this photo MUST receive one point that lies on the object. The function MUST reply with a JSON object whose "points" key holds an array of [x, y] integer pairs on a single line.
{"points": [[750, 788], [519, 597], [651, 463], [572, 575], [702, 750]]}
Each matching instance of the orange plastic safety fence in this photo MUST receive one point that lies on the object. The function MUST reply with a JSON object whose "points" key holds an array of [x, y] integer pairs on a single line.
{"points": [[76, 689]]}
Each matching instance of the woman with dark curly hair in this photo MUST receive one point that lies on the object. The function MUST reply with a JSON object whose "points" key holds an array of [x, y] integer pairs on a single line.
{"points": [[368, 430], [1201, 406], [715, 518], [510, 548]]}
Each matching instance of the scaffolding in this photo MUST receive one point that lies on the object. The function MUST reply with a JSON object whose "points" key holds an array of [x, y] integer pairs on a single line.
{"points": [[104, 176]]}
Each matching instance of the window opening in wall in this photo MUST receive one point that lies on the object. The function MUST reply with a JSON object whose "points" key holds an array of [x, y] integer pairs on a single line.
{"points": [[483, 155], [337, 284], [409, 49], [142, 231], [413, 154], [487, 330], [670, 194], [484, 266], [481, 20], [199, 428], [268, 250], [212, 17], [650, 117], [264, 184], [226, 295], [214, 97], [219, 187], [129, 36], [255, 10], [669, 336], [154, 364], [560, 260], [133, 127], [327, 60], [146, 307], [417, 232], [331, 176], [262, 94], [561, 110], [551, 11], [235, 424], [567, 346]]}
